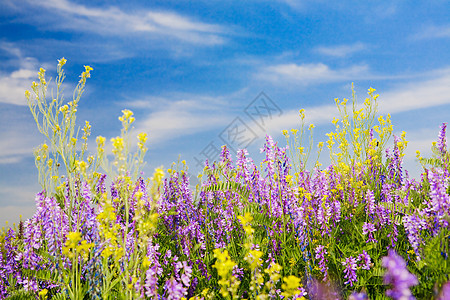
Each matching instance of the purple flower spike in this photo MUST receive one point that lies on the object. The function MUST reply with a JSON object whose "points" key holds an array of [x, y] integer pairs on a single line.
{"points": [[174, 289], [365, 260], [442, 139], [398, 276], [350, 268], [369, 228], [321, 251]]}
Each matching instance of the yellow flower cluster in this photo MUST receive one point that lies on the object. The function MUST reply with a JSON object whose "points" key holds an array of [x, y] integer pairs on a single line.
{"points": [[73, 248], [118, 151], [100, 145], [62, 62], [158, 176], [253, 258], [109, 230], [41, 76], [43, 294], [229, 284], [245, 220], [142, 138], [290, 286], [352, 133], [126, 119], [84, 75], [274, 275]]}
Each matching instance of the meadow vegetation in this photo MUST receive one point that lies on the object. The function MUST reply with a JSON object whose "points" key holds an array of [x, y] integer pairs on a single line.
{"points": [[360, 228]]}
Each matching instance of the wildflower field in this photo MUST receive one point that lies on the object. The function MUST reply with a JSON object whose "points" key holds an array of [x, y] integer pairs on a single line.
{"points": [[359, 228]]}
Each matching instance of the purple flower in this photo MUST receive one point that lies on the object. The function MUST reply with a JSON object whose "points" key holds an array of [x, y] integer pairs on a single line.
{"points": [[369, 228], [186, 277], [174, 289], [238, 272], [413, 225], [442, 139], [350, 268], [100, 187], [151, 282], [225, 158], [154, 271], [365, 260], [320, 255], [29, 285], [440, 200], [370, 206], [398, 276]]}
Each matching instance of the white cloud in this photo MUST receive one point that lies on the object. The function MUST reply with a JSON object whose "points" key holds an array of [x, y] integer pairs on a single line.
{"points": [[115, 21], [185, 115], [433, 32], [14, 83], [17, 143], [341, 50], [310, 73], [12, 89], [417, 95]]}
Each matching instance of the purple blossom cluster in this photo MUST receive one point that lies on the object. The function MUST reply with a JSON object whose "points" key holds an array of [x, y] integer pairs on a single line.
{"points": [[398, 276]]}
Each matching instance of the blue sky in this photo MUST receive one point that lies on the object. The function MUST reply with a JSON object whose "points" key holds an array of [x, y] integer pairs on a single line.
{"points": [[193, 71]]}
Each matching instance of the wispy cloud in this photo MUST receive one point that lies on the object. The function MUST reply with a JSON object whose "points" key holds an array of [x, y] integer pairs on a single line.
{"points": [[115, 21], [13, 83], [433, 32], [310, 73], [170, 118], [416, 95], [341, 50], [19, 134], [17, 148]]}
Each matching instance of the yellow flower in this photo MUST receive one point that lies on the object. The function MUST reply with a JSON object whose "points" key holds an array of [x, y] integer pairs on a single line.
{"points": [[290, 286], [142, 137], [62, 61], [118, 144], [100, 141], [43, 294], [302, 113], [63, 108], [126, 115], [311, 127], [158, 175], [418, 154], [247, 218], [288, 178]]}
